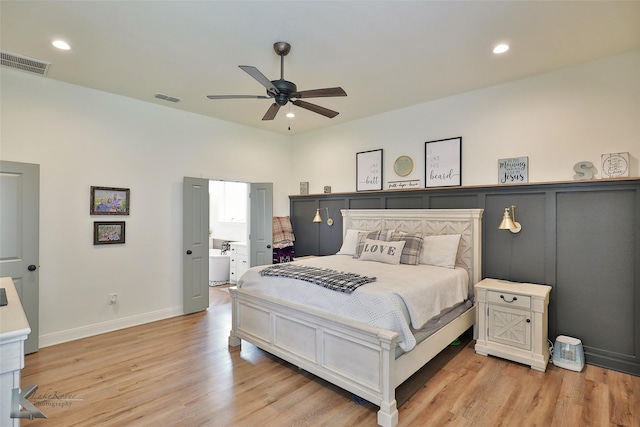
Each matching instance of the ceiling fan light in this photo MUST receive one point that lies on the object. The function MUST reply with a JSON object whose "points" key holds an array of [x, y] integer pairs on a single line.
{"points": [[501, 48], [290, 115]]}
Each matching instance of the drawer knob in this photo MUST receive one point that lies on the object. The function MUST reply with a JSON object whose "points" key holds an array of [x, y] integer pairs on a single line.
{"points": [[512, 299]]}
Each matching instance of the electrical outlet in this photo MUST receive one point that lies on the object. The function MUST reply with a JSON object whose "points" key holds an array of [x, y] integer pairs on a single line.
{"points": [[113, 298]]}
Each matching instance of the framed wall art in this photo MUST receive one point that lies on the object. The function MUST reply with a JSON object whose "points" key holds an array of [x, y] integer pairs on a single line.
{"points": [[443, 162], [109, 201], [615, 165], [513, 171], [369, 170], [108, 233], [304, 187]]}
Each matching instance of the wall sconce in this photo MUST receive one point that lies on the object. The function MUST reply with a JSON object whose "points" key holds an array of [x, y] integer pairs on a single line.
{"points": [[508, 223], [318, 218]]}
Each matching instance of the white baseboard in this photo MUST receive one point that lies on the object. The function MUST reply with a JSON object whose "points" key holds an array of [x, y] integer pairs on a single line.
{"points": [[110, 326]]}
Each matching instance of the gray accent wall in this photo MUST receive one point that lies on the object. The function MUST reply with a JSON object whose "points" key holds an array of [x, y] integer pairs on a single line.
{"points": [[582, 238]]}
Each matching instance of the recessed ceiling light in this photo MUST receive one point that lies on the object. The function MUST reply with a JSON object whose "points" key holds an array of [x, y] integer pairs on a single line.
{"points": [[61, 45], [501, 48]]}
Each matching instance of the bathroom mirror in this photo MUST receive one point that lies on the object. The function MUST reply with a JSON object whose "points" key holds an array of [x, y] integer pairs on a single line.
{"points": [[403, 166]]}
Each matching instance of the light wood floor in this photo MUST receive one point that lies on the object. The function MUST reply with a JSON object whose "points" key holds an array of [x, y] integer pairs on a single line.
{"points": [[180, 372]]}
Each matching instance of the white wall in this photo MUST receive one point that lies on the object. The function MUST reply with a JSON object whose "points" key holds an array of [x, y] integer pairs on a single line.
{"points": [[556, 119], [82, 137]]}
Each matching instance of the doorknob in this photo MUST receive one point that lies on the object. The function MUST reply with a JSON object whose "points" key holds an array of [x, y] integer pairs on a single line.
{"points": [[32, 267], [189, 252], [268, 246]]}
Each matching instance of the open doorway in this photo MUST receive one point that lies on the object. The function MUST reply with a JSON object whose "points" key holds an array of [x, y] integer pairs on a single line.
{"points": [[251, 242], [228, 230]]}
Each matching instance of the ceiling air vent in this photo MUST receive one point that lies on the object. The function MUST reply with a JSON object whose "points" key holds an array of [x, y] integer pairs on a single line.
{"points": [[167, 97], [24, 63]]}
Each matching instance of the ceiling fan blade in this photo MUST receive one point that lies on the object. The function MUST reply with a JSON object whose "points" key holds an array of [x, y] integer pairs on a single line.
{"points": [[261, 78], [237, 97], [271, 112], [315, 108], [320, 93]]}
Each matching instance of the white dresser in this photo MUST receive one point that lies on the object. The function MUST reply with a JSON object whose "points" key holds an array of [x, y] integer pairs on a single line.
{"points": [[512, 321], [14, 330], [239, 261]]}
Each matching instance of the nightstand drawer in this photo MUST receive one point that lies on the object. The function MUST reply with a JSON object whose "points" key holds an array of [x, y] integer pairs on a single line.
{"points": [[506, 298]]}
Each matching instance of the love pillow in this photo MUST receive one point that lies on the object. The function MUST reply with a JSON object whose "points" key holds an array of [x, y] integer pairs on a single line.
{"points": [[381, 251]]}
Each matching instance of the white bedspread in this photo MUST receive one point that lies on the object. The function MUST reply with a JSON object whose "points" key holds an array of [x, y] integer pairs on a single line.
{"points": [[403, 296]]}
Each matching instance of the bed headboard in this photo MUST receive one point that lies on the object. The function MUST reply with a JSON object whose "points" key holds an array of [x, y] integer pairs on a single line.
{"points": [[430, 222]]}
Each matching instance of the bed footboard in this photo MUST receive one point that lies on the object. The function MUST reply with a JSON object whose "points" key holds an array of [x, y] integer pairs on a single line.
{"points": [[352, 355]]}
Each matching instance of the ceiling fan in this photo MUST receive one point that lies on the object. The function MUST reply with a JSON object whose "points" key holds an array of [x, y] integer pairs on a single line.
{"points": [[283, 91]]}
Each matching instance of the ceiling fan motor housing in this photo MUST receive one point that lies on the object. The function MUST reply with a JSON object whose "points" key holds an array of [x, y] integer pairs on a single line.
{"points": [[285, 89]]}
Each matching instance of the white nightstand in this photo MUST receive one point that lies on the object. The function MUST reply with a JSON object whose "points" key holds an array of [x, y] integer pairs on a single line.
{"points": [[512, 321]]}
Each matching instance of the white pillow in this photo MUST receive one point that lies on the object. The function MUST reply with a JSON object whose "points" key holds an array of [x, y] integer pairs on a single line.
{"points": [[349, 243], [381, 251], [441, 250]]}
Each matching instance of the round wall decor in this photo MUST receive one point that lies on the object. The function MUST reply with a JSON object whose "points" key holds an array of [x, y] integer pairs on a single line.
{"points": [[403, 166]]}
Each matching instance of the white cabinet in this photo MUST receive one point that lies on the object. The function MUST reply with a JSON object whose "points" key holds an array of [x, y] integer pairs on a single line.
{"points": [[512, 321], [239, 261], [14, 330]]}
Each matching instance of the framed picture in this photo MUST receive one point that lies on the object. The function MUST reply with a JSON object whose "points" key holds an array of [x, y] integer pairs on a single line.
{"points": [[108, 233], [369, 170], [513, 171], [615, 165], [109, 201], [443, 162], [304, 187]]}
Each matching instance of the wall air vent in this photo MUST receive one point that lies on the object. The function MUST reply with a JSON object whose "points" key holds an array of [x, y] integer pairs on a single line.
{"points": [[167, 97], [24, 63]]}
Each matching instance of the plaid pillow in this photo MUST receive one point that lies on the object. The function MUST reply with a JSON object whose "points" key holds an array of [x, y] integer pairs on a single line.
{"points": [[412, 248], [373, 235]]}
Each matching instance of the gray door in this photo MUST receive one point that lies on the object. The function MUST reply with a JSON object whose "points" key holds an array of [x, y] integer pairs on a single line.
{"points": [[195, 254], [19, 231], [260, 224]]}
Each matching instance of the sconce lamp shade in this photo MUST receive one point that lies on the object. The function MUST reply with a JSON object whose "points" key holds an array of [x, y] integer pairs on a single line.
{"points": [[509, 220], [506, 224], [317, 218]]}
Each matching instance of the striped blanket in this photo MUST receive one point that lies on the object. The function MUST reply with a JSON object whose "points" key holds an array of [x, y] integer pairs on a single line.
{"points": [[330, 279]]}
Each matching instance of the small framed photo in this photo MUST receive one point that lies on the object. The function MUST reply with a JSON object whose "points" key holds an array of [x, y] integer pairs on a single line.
{"points": [[615, 165], [304, 187], [443, 162], [514, 170], [109, 201], [108, 233], [369, 170]]}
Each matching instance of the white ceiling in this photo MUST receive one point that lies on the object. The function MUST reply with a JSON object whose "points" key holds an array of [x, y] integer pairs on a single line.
{"points": [[385, 54]]}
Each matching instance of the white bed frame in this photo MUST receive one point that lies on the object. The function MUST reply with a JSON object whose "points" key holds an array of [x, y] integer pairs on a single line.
{"points": [[350, 354]]}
